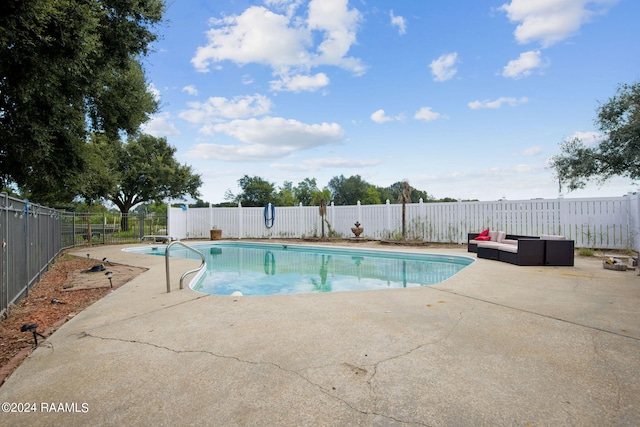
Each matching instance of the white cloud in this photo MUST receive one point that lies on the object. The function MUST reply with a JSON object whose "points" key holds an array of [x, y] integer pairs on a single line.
{"points": [[381, 117], [551, 21], [237, 153], [277, 131], [589, 139], [300, 83], [488, 173], [524, 65], [160, 125], [327, 162], [154, 91], [218, 108], [444, 68], [257, 35], [497, 103], [339, 25], [267, 139], [427, 114], [398, 21], [190, 89], [532, 151], [286, 43]]}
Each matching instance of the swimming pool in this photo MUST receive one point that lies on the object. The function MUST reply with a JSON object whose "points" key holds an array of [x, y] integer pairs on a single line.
{"points": [[271, 269]]}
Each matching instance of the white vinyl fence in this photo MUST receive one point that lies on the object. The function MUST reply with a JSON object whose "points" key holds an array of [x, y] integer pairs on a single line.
{"points": [[611, 223]]}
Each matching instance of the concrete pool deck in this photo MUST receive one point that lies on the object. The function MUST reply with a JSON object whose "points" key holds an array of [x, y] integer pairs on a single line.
{"points": [[495, 345]]}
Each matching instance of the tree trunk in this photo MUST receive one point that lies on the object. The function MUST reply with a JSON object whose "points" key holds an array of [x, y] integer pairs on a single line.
{"points": [[124, 221], [404, 221], [323, 212]]}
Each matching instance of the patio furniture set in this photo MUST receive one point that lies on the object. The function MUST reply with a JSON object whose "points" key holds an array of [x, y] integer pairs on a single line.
{"points": [[544, 250]]}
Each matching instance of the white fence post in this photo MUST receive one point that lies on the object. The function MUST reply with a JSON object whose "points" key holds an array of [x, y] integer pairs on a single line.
{"points": [[331, 215], [633, 220], [300, 221], [422, 214], [387, 214], [169, 217], [211, 225], [240, 222], [461, 234]]}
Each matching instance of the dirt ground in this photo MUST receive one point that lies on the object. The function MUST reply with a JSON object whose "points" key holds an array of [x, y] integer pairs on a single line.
{"points": [[64, 290]]}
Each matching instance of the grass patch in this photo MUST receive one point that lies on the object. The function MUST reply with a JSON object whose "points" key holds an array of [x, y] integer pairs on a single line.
{"points": [[586, 252]]}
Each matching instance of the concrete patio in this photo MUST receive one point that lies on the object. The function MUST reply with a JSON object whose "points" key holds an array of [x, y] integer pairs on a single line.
{"points": [[495, 345]]}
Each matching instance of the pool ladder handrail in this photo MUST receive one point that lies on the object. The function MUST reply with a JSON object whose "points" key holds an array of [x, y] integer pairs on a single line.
{"points": [[195, 270]]}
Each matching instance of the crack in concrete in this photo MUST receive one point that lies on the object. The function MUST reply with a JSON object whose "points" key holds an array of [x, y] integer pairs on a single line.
{"points": [[406, 353], [547, 316], [275, 365]]}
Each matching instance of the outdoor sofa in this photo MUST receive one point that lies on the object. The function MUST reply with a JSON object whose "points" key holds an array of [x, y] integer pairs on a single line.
{"points": [[549, 250]]}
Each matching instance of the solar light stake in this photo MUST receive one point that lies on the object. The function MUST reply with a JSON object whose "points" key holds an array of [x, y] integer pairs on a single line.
{"points": [[109, 276], [34, 329]]}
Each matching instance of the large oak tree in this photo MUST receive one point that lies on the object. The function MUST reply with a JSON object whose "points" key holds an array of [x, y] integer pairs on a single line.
{"points": [[617, 154], [68, 67], [144, 169]]}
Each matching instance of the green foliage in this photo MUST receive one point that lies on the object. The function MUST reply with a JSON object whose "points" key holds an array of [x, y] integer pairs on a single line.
{"points": [[199, 204], [148, 171], [285, 196], [256, 191], [99, 177], [319, 195], [84, 207], [67, 67], [617, 154], [347, 191], [393, 192], [158, 208], [586, 252], [371, 196], [304, 191], [142, 170]]}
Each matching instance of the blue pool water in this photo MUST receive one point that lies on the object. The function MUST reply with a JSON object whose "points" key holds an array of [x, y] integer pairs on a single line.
{"points": [[269, 269]]}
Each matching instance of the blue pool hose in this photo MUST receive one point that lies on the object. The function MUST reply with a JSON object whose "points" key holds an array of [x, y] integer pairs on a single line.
{"points": [[269, 215]]}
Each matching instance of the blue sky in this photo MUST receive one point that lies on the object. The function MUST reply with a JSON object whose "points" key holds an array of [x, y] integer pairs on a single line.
{"points": [[464, 99]]}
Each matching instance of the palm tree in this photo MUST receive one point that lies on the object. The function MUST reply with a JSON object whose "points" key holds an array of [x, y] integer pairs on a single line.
{"points": [[404, 198]]}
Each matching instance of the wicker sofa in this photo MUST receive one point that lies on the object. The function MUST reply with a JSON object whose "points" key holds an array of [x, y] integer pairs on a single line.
{"points": [[547, 250]]}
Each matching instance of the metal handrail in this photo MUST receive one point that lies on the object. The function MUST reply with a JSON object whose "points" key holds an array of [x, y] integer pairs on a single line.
{"points": [[195, 270]]}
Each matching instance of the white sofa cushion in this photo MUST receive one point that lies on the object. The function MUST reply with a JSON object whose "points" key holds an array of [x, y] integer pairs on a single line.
{"points": [[486, 244], [507, 247], [501, 236], [552, 237], [493, 235]]}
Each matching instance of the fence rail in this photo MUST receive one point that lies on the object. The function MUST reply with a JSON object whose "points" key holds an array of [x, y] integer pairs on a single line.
{"points": [[30, 242], [599, 223], [33, 235]]}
